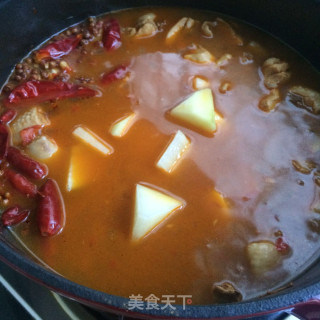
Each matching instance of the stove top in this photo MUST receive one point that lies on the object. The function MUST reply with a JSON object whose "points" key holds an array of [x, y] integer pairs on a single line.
{"points": [[21, 298]]}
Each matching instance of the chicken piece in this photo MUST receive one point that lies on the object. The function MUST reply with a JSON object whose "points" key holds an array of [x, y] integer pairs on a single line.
{"points": [[206, 28], [274, 80], [183, 23], [315, 205], [270, 101], [33, 117], [199, 55], [200, 82], [224, 59], [304, 168], [314, 225], [246, 58], [146, 26], [129, 31], [225, 86], [275, 72], [42, 147], [305, 98], [263, 256], [274, 65], [226, 292]]}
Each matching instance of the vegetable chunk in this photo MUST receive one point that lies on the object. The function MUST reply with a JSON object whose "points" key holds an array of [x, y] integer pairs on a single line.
{"points": [[34, 117], [151, 208], [199, 82], [197, 110], [183, 23], [42, 148], [173, 153], [275, 72], [305, 98], [91, 139], [78, 173], [263, 256], [121, 127], [199, 55]]}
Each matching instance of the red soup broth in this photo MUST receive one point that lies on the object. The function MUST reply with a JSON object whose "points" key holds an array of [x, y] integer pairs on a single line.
{"points": [[255, 179]]}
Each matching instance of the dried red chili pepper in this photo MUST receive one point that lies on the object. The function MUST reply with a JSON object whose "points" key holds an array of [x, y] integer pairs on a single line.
{"points": [[59, 48], [8, 116], [21, 183], [13, 216], [29, 134], [116, 74], [111, 37], [282, 246], [28, 166], [36, 91], [51, 213], [4, 141]]}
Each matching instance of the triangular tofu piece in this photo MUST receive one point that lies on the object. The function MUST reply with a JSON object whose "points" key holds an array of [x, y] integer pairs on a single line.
{"points": [[151, 208], [197, 110]]}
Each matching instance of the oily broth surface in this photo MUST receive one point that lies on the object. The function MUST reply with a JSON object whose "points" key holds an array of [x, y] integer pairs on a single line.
{"points": [[248, 160]]}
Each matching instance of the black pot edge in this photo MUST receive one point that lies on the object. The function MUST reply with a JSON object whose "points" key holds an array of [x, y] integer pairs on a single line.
{"points": [[119, 305]]}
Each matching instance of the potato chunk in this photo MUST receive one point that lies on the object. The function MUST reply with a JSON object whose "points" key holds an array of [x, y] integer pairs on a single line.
{"points": [[33, 117], [263, 256], [197, 110], [121, 127], [91, 139], [173, 153], [305, 98], [80, 168], [42, 147], [151, 208]]}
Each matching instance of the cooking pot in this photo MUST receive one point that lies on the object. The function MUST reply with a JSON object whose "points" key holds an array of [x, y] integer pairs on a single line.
{"points": [[25, 24]]}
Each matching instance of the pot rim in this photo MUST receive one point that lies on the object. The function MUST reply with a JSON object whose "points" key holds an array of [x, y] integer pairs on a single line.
{"points": [[111, 303]]}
